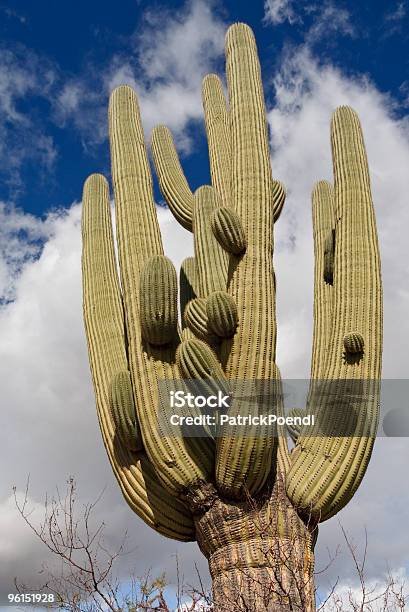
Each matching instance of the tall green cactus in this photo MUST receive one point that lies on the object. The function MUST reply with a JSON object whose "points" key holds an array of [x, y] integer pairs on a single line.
{"points": [[252, 504]]}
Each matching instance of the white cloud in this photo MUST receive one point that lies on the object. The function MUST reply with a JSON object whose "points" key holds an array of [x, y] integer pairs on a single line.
{"points": [[279, 11], [178, 46], [398, 13], [81, 103], [330, 20], [69, 98], [394, 19], [21, 238], [173, 55]]}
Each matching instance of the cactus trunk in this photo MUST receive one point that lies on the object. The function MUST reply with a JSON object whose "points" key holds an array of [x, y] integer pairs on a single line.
{"points": [[258, 559]]}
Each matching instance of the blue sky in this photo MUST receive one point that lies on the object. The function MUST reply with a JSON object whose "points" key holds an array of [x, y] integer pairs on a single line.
{"points": [[58, 63], [54, 45]]}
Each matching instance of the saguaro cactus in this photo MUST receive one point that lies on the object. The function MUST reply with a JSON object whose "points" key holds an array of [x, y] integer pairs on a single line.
{"points": [[252, 504]]}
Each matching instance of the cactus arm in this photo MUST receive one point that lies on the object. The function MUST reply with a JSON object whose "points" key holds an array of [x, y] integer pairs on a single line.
{"points": [[222, 316], [178, 462], [172, 181], [124, 412], [323, 209], [158, 301], [219, 141], [196, 319], [197, 361], [327, 470], [211, 259], [105, 331], [218, 136], [245, 463], [228, 230]]}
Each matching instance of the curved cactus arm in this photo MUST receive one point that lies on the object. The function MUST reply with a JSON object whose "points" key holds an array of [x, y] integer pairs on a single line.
{"points": [[246, 463], [328, 464], [197, 320], [323, 217], [197, 361], [218, 136], [211, 259], [178, 462], [228, 230], [200, 365], [105, 330], [172, 181], [222, 315]]}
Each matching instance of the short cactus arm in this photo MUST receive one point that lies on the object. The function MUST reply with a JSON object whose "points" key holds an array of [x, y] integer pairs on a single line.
{"points": [[105, 330], [152, 336], [245, 463], [328, 467], [172, 181], [196, 319], [124, 412]]}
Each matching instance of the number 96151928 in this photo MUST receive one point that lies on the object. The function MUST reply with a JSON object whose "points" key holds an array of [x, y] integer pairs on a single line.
{"points": [[31, 598]]}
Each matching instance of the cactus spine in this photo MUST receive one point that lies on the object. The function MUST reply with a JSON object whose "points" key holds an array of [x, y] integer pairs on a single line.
{"points": [[200, 488]]}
